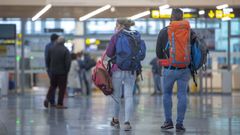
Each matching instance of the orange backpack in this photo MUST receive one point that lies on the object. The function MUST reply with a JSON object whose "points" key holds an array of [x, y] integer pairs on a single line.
{"points": [[178, 44]]}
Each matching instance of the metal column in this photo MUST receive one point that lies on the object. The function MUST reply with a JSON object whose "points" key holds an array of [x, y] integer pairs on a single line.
{"points": [[229, 49], [22, 67]]}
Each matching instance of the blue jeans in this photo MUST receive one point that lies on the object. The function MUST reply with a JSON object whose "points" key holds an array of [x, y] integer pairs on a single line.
{"points": [[182, 77], [127, 79]]}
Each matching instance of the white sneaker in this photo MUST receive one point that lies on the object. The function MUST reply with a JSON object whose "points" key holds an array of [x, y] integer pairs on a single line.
{"points": [[71, 95]]}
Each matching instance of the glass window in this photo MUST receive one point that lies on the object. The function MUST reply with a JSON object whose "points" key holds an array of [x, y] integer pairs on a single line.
{"points": [[192, 23], [213, 23], [37, 26], [29, 27], [50, 24], [154, 27], [221, 37], [235, 48], [100, 26], [140, 26], [201, 23], [68, 25], [235, 44], [235, 27]]}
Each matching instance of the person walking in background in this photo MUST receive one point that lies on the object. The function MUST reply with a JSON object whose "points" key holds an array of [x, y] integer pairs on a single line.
{"points": [[53, 39], [73, 78], [156, 72], [124, 75], [86, 63], [58, 63]]}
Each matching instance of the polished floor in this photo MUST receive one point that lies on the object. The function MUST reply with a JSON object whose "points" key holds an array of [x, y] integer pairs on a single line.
{"points": [[25, 115]]}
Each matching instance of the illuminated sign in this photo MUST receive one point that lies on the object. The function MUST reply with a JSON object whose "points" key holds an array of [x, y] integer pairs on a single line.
{"points": [[207, 13], [221, 13], [166, 14], [91, 41]]}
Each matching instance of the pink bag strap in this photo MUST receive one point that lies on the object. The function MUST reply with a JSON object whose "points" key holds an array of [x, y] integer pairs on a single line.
{"points": [[104, 55]]}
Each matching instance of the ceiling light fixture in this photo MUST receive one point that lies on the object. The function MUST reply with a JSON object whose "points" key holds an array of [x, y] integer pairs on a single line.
{"points": [[201, 12], [188, 10], [93, 13], [226, 18], [140, 15], [164, 7], [222, 6], [41, 12], [113, 9]]}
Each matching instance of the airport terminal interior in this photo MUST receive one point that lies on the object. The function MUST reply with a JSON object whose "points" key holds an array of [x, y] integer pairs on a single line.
{"points": [[213, 105]]}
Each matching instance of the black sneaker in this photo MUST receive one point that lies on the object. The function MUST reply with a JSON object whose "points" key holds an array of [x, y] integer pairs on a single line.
{"points": [[115, 123], [127, 126], [180, 128], [47, 104], [167, 125]]}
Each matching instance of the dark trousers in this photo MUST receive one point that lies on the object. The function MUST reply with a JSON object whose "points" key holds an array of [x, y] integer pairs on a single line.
{"points": [[52, 99], [59, 81]]}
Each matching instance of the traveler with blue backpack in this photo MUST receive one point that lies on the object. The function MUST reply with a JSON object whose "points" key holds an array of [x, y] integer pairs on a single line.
{"points": [[174, 51], [126, 50]]}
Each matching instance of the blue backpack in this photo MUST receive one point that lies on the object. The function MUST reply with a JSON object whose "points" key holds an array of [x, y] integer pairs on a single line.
{"points": [[199, 52], [130, 50]]}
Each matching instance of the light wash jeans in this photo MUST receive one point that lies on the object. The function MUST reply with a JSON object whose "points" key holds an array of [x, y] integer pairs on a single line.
{"points": [[127, 79], [182, 77]]}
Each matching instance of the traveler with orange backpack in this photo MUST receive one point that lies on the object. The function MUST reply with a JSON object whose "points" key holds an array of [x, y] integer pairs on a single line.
{"points": [[126, 50], [174, 51]]}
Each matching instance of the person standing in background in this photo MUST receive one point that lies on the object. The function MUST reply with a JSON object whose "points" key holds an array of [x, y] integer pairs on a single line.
{"points": [[58, 63], [53, 39], [86, 63], [73, 77], [156, 72]]}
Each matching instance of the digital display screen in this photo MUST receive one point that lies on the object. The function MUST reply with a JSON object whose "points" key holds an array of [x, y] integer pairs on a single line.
{"points": [[7, 31], [226, 13], [166, 14], [222, 13]]}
